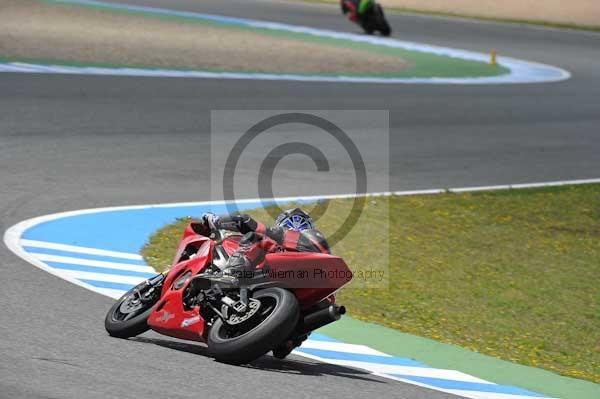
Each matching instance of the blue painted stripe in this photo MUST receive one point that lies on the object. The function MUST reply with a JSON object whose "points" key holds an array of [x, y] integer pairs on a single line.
{"points": [[103, 270], [322, 337], [104, 258], [469, 386], [387, 360], [108, 284], [119, 230]]}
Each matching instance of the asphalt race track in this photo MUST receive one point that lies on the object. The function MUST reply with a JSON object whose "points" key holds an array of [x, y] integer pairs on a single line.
{"points": [[72, 142]]}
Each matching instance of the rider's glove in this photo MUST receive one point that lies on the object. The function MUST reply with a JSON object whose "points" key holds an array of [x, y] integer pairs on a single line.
{"points": [[211, 221]]}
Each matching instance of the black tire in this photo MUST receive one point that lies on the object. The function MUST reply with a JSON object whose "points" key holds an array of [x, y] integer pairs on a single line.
{"points": [[137, 324], [260, 339], [384, 26], [385, 30], [367, 25], [281, 351], [368, 28]]}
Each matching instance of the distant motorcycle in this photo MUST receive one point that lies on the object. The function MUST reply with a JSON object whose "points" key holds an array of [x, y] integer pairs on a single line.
{"points": [[368, 14], [275, 309]]}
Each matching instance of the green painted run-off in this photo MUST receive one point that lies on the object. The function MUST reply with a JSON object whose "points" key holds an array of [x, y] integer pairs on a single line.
{"points": [[445, 356]]}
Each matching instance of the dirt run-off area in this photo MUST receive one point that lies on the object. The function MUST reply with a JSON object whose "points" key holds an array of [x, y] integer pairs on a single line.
{"points": [[576, 12], [33, 30]]}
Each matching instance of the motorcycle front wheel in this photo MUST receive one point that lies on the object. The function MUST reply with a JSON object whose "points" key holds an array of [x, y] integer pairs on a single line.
{"points": [[128, 316], [271, 325]]}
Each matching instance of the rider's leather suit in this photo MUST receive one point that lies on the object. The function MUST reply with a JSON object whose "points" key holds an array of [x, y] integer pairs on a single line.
{"points": [[258, 240]]}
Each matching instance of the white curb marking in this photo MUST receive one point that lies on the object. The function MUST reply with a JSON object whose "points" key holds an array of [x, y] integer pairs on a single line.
{"points": [[520, 71], [94, 263], [80, 250]]}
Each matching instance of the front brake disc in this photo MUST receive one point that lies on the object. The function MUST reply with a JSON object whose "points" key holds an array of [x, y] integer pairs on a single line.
{"points": [[130, 305], [235, 318]]}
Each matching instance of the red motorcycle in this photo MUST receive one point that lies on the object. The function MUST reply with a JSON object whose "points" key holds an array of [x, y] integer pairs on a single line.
{"points": [[273, 308]]}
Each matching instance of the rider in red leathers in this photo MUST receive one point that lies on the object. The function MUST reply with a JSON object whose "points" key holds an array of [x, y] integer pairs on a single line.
{"points": [[293, 231]]}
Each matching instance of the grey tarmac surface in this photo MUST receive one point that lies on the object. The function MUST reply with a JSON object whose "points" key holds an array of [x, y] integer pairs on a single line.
{"points": [[71, 142]]}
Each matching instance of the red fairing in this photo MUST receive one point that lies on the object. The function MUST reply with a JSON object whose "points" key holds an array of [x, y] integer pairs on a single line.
{"points": [[169, 316], [202, 257], [312, 277], [231, 244]]}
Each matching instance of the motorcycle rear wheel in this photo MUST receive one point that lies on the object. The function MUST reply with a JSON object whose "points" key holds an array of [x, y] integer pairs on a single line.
{"points": [[384, 26], [369, 30], [275, 320]]}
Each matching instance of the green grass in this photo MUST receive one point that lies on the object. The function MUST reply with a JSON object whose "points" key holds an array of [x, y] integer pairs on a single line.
{"points": [[513, 274]]}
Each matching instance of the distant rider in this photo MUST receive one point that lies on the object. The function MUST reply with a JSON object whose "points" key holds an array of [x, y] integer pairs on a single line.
{"points": [[355, 9]]}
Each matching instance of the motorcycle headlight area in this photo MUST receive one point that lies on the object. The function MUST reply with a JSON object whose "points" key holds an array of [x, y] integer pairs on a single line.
{"points": [[181, 280]]}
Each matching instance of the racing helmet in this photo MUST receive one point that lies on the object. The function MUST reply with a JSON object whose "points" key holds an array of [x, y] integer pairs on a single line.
{"points": [[295, 219]]}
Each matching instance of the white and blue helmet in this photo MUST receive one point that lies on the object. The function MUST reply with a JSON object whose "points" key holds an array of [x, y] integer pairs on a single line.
{"points": [[295, 219]]}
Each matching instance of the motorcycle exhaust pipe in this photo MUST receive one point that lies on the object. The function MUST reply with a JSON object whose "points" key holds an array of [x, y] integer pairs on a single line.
{"points": [[322, 317]]}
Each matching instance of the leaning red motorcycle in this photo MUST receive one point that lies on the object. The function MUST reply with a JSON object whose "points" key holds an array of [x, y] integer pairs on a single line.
{"points": [[272, 308]]}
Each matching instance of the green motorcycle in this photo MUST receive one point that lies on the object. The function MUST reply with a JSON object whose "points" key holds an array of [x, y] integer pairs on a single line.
{"points": [[368, 14]]}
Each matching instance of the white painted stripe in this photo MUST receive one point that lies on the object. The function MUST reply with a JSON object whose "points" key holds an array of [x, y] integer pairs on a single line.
{"points": [[380, 371], [40, 68], [13, 67], [26, 66], [26, 224], [79, 250], [95, 263], [489, 395], [111, 278], [526, 185], [11, 239], [342, 347], [394, 369], [383, 375], [172, 73], [116, 294], [460, 392]]}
